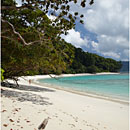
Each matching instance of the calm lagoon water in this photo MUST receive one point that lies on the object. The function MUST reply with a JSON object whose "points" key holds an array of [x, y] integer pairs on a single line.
{"points": [[115, 86]]}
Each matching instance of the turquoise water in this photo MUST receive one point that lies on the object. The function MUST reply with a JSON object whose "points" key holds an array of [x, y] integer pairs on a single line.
{"points": [[114, 86]]}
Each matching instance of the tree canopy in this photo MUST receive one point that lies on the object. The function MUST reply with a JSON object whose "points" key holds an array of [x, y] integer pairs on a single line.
{"points": [[31, 17]]}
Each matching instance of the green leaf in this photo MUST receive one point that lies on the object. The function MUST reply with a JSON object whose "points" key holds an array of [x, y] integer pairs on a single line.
{"points": [[2, 76]]}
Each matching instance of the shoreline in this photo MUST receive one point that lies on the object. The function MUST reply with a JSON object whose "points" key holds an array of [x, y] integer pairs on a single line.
{"points": [[93, 95], [34, 80], [102, 97], [65, 75]]}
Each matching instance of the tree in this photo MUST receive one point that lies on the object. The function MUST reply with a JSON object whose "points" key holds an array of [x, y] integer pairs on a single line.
{"points": [[45, 58], [32, 39], [38, 9], [92, 69]]}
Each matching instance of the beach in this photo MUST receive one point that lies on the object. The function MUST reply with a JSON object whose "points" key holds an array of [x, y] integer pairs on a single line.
{"points": [[28, 105]]}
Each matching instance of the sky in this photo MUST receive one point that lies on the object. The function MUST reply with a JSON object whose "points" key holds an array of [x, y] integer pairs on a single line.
{"points": [[105, 30]]}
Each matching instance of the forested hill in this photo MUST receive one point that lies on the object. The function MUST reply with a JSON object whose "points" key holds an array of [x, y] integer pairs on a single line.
{"points": [[85, 62]]}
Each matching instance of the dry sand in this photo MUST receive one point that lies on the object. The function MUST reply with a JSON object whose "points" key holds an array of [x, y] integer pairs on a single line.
{"points": [[27, 106]]}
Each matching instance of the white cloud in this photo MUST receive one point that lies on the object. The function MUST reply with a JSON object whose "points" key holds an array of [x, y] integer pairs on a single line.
{"points": [[74, 38], [109, 20], [111, 54], [111, 46], [19, 3], [51, 17], [95, 45]]}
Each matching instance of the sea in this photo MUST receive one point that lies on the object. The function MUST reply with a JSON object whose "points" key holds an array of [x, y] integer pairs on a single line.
{"points": [[110, 86]]}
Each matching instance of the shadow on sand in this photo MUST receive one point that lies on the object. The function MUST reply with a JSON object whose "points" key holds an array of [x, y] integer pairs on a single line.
{"points": [[26, 95], [27, 88]]}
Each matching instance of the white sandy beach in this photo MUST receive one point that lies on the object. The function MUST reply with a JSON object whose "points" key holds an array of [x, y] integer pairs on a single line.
{"points": [[27, 106]]}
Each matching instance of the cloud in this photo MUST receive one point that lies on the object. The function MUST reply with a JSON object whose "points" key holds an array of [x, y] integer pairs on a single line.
{"points": [[19, 3], [108, 19], [75, 39], [51, 17], [95, 45], [111, 54], [110, 46]]}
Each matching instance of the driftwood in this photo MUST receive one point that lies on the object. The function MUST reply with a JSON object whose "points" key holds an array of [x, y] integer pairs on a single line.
{"points": [[43, 124]]}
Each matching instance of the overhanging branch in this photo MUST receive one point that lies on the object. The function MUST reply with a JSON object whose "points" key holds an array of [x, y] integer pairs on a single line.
{"points": [[13, 7], [9, 7], [17, 33]]}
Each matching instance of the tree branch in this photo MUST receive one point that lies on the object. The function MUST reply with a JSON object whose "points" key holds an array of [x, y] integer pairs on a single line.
{"points": [[22, 39], [8, 38], [5, 31], [8, 7], [13, 7]]}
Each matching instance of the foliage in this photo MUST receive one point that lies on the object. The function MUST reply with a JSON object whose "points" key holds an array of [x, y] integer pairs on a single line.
{"points": [[93, 69], [2, 74], [85, 62], [32, 24], [33, 13], [35, 59]]}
